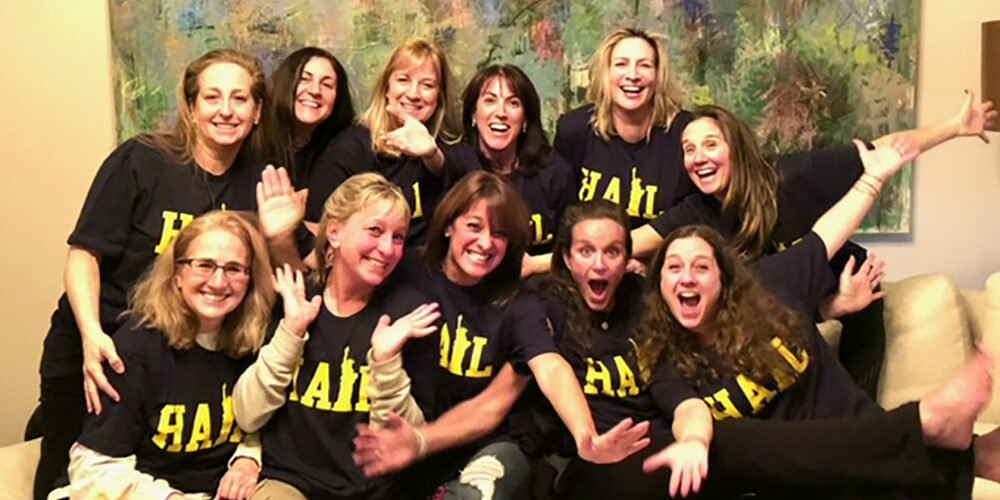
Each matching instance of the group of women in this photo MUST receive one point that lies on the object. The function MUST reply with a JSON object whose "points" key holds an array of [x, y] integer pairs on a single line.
{"points": [[413, 361]]}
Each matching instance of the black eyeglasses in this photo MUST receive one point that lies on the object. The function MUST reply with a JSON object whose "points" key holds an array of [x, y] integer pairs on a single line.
{"points": [[206, 268]]}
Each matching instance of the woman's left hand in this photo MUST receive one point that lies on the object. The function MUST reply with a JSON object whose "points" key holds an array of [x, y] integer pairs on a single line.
{"points": [[688, 463], [412, 138], [857, 289], [616, 444], [279, 208], [389, 337], [884, 161], [974, 117], [240, 480]]}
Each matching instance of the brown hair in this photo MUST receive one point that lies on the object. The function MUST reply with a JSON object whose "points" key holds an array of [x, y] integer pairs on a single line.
{"points": [[178, 141], [748, 315], [560, 282], [443, 123], [666, 95], [157, 303], [752, 193], [506, 208]]}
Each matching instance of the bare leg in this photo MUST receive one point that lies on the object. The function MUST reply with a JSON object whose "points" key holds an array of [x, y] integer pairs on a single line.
{"points": [[988, 455], [948, 414]]}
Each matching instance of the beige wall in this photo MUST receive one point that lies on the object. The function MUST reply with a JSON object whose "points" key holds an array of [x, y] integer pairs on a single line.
{"points": [[956, 195], [56, 125]]}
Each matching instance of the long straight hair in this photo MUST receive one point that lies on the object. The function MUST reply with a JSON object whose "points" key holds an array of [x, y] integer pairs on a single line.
{"points": [[666, 94]]}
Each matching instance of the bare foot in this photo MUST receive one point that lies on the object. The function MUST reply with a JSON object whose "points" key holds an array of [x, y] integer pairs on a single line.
{"points": [[948, 414], [988, 455]]}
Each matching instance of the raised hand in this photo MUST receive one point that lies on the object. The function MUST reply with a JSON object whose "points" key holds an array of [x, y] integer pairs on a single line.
{"points": [[688, 463], [857, 289], [410, 139], [239, 481], [98, 348], [299, 312], [382, 451], [884, 161], [389, 337], [279, 207], [616, 444], [973, 117]]}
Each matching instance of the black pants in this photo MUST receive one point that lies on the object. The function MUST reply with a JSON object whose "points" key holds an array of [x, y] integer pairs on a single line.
{"points": [[875, 455], [63, 409]]}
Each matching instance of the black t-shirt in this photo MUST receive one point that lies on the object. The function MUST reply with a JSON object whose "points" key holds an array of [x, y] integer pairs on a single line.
{"points": [[351, 153], [137, 204], [547, 193], [608, 370], [811, 183], [646, 178], [800, 278], [175, 414], [307, 442]]}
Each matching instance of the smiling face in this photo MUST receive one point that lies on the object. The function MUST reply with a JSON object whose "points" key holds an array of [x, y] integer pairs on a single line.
{"points": [[691, 284], [414, 89], [499, 118], [316, 92], [632, 75], [369, 244], [224, 110], [707, 157], [476, 245], [212, 294], [597, 260]]}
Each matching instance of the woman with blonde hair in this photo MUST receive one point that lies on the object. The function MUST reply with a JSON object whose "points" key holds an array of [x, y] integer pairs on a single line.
{"points": [[321, 373], [405, 134], [145, 192], [195, 320]]}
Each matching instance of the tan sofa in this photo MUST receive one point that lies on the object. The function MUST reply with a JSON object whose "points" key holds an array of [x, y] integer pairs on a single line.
{"points": [[931, 328]]}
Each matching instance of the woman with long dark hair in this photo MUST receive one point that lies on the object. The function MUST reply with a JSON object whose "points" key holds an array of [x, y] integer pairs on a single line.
{"points": [[309, 103]]}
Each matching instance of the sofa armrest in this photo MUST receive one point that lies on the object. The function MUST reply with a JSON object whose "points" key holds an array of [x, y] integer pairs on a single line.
{"points": [[17, 469]]}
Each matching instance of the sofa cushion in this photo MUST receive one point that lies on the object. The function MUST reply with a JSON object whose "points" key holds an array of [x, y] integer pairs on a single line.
{"points": [[985, 311], [927, 337]]}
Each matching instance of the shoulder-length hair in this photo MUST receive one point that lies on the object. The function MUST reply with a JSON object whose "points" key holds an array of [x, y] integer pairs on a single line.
{"points": [[156, 302], [666, 96], [508, 213], [442, 123], [747, 314], [532, 144], [178, 141], [352, 196], [560, 282], [752, 194], [276, 138]]}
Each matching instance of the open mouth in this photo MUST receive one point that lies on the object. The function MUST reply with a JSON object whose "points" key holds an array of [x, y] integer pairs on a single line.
{"points": [[598, 287], [689, 301], [310, 104], [706, 172], [376, 262], [499, 127], [480, 258], [214, 298], [631, 90]]}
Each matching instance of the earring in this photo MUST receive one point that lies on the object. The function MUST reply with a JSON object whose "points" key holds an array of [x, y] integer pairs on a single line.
{"points": [[447, 234]]}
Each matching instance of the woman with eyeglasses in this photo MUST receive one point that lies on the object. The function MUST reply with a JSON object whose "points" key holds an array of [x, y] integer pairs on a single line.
{"points": [[146, 191], [194, 323]]}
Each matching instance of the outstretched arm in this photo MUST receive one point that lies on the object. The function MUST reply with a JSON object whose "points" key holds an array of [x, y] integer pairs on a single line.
{"points": [[971, 121], [687, 457]]}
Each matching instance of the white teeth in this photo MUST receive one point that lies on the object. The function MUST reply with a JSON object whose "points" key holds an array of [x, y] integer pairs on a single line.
{"points": [[477, 257], [212, 297], [376, 262], [311, 104], [687, 295], [499, 127], [705, 172], [631, 89]]}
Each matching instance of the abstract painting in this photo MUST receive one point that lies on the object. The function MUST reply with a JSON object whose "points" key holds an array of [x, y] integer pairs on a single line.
{"points": [[804, 74]]}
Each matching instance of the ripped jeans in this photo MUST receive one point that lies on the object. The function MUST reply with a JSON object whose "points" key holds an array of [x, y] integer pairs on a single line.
{"points": [[498, 471]]}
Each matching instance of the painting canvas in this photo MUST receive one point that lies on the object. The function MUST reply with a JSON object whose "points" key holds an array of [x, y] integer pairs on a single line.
{"points": [[804, 74]]}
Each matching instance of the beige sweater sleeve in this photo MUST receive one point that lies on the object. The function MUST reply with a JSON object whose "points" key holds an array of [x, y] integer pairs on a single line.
{"points": [[94, 475], [389, 390], [260, 391]]}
